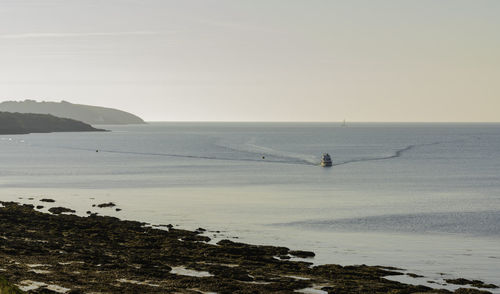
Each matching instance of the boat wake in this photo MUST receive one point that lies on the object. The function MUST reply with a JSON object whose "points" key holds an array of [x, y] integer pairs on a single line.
{"points": [[259, 153], [251, 147], [180, 155], [397, 153]]}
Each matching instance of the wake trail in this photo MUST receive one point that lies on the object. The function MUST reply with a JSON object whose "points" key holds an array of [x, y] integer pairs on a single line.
{"points": [[397, 153], [251, 148], [298, 162], [286, 159]]}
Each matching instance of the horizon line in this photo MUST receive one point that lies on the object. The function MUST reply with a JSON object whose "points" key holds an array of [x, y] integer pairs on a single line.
{"points": [[340, 121]]}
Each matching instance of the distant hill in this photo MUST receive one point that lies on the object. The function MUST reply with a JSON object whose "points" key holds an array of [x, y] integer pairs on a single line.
{"points": [[25, 123], [86, 113]]}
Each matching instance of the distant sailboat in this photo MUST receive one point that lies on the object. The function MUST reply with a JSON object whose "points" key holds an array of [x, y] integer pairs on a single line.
{"points": [[344, 124]]}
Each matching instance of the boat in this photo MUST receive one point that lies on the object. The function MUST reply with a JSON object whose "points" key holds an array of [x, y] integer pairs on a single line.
{"points": [[344, 124], [326, 160]]}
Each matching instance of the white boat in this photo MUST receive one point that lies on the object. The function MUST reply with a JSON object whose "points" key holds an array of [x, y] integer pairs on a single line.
{"points": [[326, 160]]}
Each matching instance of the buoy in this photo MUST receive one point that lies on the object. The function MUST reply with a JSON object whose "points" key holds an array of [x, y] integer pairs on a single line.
{"points": [[97, 150], [263, 157]]}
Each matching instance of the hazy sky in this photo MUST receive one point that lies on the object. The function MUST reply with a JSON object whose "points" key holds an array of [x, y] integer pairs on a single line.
{"points": [[257, 60]]}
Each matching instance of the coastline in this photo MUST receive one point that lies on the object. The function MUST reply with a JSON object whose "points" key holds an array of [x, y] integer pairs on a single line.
{"points": [[68, 253], [15, 123]]}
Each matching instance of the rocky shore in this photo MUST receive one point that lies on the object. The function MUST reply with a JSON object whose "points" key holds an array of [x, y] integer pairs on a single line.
{"points": [[65, 253]]}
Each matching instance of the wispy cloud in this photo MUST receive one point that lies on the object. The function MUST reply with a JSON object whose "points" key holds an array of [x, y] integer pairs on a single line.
{"points": [[76, 35]]}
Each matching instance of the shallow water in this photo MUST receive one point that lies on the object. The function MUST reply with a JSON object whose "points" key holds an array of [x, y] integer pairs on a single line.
{"points": [[425, 197]]}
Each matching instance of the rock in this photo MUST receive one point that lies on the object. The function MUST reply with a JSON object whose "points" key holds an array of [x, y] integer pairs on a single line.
{"points": [[39, 206], [102, 254], [196, 238], [470, 291], [302, 254], [458, 281], [104, 205], [59, 210], [44, 290], [474, 283], [8, 288], [47, 200]]}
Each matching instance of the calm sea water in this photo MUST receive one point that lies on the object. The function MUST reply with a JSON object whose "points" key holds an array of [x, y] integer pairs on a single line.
{"points": [[425, 197]]}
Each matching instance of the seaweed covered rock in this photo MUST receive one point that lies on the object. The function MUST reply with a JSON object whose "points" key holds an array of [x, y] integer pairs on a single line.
{"points": [[59, 210], [108, 255], [7, 288], [104, 205], [302, 253], [474, 283]]}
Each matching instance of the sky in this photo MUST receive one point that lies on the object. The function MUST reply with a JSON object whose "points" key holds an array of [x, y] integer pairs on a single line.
{"points": [[258, 60]]}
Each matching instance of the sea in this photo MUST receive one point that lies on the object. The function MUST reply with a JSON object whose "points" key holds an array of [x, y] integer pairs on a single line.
{"points": [[423, 197]]}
